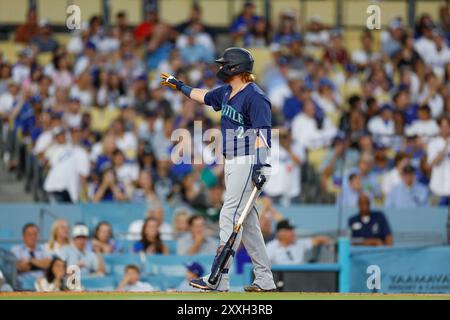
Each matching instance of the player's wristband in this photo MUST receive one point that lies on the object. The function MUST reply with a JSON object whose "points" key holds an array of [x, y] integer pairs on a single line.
{"points": [[185, 89]]}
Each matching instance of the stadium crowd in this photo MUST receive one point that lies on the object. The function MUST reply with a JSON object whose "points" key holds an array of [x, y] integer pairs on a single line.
{"points": [[368, 128]]}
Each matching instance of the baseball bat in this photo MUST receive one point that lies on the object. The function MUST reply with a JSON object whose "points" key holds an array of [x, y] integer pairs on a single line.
{"points": [[227, 250]]}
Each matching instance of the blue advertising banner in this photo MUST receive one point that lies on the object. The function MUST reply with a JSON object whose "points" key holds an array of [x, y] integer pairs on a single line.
{"points": [[400, 270]]}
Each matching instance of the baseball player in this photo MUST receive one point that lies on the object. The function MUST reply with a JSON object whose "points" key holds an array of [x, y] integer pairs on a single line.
{"points": [[245, 125]]}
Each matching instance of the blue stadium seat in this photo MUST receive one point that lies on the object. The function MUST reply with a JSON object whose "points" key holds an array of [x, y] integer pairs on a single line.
{"points": [[125, 246], [7, 245], [174, 265], [172, 244], [107, 283], [116, 263], [27, 283]]}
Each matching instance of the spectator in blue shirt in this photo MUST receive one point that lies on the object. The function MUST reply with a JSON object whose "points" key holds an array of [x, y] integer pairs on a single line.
{"points": [[44, 40], [195, 52], [80, 255], [403, 104], [286, 33], [369, 228], [350, 194], [194, 270], [32, 258], [408, 193], [243, 23]]}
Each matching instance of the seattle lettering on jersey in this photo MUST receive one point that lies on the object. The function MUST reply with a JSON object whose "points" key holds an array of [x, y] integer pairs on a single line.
{"points": [[230, 112], [248, 110]]}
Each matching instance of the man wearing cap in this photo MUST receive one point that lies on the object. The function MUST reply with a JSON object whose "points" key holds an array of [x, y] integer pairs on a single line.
{"points": [[287, 249], [382, 126], [369, 228], [60, 160], [43, 40], [242, 24], [194, 270], [409, 193], [78, 253], [21, 71]]}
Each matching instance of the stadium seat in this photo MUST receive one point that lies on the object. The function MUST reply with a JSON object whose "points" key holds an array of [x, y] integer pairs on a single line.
{"points": [[119, 216], [166, 265], [171, 282], [10, 50], [174, 265], [116, 263], [315, 158], [157, 282], [172, 245], [44, 58], [125, 245], [107, 283]]}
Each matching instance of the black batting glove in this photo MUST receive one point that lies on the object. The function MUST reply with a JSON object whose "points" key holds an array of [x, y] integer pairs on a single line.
{"points": [[258, 178]]}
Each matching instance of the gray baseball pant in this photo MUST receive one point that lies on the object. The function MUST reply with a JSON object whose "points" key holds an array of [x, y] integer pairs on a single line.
{"points": [[239, 187]]}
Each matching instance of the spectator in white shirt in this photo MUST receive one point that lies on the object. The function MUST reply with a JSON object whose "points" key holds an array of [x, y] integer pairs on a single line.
{"points": [[61, 162], [325, 96], [430, 95], [45, 139], [441, 54], [22, 69], [8, 100], [83, 90], [393, 177], [54, 278], [366, 54], [317, 33], [72, 115], [131, 281], [309, 132], [286, 161], [127, 173], [425, 45], [424, 126], [382, 126], [286, 249], [438, 154]]}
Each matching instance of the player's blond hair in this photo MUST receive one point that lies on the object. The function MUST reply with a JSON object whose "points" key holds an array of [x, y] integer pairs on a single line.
{"points": [[54, 234], [247, 77]]}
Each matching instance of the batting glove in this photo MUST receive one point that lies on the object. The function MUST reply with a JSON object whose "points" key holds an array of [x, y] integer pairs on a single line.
{"points": [[258, 177], [170, 81]]}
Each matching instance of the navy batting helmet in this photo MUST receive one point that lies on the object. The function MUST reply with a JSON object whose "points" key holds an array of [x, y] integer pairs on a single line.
{"points": [[234, 61]]}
